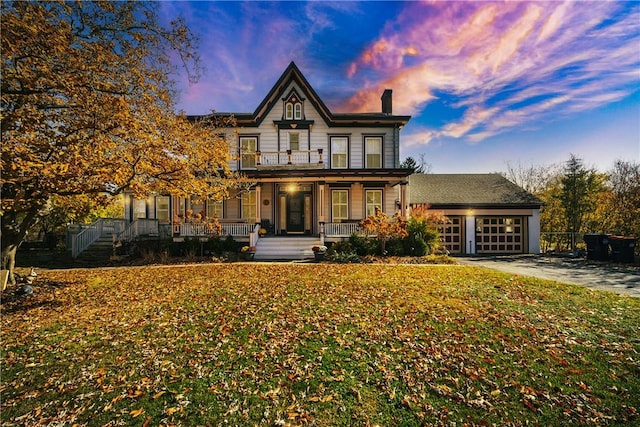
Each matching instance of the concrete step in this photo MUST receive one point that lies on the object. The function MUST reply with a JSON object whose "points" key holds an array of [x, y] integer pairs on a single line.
{"points": [[285, 248]]}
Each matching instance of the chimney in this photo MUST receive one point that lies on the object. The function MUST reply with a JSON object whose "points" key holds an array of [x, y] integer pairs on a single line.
{"points": [[386, 102]]}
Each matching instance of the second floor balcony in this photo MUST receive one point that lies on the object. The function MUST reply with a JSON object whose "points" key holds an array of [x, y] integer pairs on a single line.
{"points": [[287, 159]]}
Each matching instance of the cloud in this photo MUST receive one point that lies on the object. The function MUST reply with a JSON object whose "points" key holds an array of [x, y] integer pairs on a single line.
{"points": [[506, 64], [418, 138]]}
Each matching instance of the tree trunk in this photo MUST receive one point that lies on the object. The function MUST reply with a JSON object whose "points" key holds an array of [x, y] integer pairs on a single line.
{"points": [[13, 231], [9, 261]]}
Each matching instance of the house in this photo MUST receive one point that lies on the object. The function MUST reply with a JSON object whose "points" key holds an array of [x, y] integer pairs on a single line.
{"points": [[317, 173], [488, 213]]}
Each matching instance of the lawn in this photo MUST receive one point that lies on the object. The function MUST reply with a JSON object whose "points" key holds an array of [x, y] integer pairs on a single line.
{"points": [[317, 344]]}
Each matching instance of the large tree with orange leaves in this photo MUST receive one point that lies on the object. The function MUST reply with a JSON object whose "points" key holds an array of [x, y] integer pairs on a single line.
{"points": [[87, 108]]}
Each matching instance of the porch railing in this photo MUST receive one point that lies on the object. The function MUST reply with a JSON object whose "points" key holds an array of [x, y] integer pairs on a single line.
{"points": [[90, 233], [204, 230], [139, 227], [342, 229]]}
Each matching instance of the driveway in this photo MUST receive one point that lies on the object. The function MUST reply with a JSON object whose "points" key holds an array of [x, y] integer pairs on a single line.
{"points": [[621, 279]]}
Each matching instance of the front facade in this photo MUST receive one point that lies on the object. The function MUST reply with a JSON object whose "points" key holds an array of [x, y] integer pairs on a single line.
{"points": [[317, 173]]}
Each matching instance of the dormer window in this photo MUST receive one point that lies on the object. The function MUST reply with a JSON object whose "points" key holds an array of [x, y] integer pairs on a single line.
{"points": [[293, 108], [293, 111]]}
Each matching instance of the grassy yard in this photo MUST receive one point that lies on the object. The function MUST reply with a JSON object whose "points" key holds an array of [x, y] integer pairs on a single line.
{"points": [[317, 344]]}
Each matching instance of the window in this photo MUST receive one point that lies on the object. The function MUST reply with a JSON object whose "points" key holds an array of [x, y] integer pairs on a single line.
{"points": [[249, 205], [248, 148], [339, 205], [139, 208], [294, 141], [162, 209], [373, 150], [339, 146], [214, 209], [373, 200], [293, 111]]}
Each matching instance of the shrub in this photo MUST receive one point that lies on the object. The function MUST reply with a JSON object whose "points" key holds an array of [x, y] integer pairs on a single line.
{"points": [[423, 237], [384, 227], [344, 257], [364, 246]]}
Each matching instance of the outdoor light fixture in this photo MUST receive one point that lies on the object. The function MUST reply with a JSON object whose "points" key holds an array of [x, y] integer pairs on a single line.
{"points": [[292, 188]]}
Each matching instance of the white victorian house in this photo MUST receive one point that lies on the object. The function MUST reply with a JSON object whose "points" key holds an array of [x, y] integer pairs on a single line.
{"points": [[317, 173]]}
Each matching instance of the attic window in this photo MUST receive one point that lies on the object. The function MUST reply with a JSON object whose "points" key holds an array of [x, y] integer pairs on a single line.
{"points": [[293, 108], [293, 111]]}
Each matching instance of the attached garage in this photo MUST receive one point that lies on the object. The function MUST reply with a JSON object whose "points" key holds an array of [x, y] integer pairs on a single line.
{"points": [[488, 214]]}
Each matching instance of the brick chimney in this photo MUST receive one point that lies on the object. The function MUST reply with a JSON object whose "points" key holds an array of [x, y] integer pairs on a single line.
{"points": [[387, 107]]}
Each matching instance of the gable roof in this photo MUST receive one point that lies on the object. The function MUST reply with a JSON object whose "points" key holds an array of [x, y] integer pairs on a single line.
{"points": [[468, 190], [293, 74]]}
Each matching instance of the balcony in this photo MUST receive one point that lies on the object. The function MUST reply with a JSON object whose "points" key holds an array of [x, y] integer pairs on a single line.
{"points": [[284, 160]]}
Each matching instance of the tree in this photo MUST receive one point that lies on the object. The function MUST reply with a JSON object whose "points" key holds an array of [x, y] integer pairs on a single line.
{"points": [[417, 166], [580, 188], [624, 180], [384, 227], [87, 109], [533, 178]]}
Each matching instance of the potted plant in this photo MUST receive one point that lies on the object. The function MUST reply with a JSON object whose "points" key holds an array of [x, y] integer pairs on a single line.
{"points": [[247, 252], [319, 252]]}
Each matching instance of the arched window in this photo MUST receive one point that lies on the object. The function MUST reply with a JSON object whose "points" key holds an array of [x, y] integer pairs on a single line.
{"points": [[298, 111], [288, 115]]}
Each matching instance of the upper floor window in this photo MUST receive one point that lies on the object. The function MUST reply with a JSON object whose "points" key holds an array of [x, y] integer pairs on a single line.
{"points": [[248, 148], [339, 152], [373, 152], [293, 111], [294, 141]]}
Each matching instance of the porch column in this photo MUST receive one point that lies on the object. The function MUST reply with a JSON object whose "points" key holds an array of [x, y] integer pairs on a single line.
{"points": [[258, 203], [321, 206], [403, 199]]}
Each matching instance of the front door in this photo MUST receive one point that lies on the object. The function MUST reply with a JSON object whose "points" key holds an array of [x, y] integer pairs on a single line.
{"points": [[295, 208], [295, 213]]}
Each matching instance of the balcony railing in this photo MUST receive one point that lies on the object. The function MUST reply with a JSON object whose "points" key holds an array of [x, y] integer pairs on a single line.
{"points": [[288, 159]]}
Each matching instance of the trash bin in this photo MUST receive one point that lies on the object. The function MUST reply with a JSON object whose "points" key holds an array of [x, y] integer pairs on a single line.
{"points": [[622, 248], [597, 247]]}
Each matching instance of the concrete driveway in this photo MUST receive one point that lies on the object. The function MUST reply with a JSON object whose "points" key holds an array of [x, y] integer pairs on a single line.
{"points": [[621, 279]]}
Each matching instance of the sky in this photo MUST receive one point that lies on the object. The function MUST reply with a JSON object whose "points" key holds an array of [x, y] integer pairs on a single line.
{"points": [[489, 84]]}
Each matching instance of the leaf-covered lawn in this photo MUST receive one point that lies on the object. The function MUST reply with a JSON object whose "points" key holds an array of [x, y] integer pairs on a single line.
{"points": [[322, 344]]}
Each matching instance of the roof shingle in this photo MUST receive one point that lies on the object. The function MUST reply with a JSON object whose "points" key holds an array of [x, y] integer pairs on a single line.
{"points": [[490, 189]]}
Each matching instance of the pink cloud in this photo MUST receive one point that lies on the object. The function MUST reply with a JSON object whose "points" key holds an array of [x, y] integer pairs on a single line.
{"points": [[473, 50]]}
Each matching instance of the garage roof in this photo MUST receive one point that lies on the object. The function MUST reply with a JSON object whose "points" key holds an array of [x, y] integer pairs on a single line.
{"points": [[491, 189]]}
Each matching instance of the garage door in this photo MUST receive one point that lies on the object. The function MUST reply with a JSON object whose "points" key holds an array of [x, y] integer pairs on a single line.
{"points": [[500, 235], [451, 235]]}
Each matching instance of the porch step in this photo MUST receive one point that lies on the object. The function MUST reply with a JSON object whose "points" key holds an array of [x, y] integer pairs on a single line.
{"points": [[98, 253], [285, 248]]}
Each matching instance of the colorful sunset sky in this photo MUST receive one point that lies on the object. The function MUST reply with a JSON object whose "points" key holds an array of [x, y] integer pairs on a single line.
{"points": [[487, 83]]}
